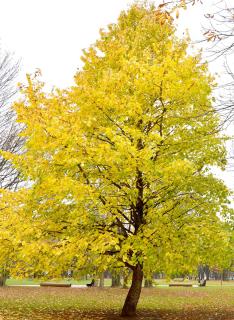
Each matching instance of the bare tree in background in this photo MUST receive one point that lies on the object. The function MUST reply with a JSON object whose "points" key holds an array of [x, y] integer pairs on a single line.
{"points": [[221, 28], [220, 34], [9, 139], [219, 37]]}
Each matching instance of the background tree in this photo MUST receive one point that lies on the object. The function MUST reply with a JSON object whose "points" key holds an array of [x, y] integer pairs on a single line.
{"points": [[9, 141], [115, 278], [218, 38], [220, 33], [120, 163], [9, 130]]}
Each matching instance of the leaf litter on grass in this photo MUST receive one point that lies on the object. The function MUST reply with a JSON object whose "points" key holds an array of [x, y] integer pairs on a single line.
{"points": [[17, 303]]}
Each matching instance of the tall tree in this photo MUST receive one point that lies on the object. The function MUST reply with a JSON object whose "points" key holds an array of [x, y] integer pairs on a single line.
{"points": [[120, 163]]}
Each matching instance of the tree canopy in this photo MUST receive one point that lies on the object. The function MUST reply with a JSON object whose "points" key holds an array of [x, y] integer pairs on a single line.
{"points": [[119, 165]]}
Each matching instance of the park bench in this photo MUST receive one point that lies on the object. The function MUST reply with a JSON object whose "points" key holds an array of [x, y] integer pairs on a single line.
{"points": [[180, 284], [54, 284], [91, 284]]}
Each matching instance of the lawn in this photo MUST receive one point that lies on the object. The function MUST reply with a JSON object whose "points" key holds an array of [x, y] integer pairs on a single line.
{"points": [[13, 282], [211, 303]]}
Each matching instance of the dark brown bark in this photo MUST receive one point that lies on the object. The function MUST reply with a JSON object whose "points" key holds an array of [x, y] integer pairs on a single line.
{"points": [[130, 304]]}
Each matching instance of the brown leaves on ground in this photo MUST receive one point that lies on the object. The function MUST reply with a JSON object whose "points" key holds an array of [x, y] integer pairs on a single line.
{"points": [[24, 303]]}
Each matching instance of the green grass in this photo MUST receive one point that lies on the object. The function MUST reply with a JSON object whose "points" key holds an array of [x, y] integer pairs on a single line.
{"points": [[12, 282], [25, 303], [108, 282]]}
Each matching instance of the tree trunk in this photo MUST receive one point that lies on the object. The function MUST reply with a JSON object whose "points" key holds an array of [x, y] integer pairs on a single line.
{"points": [[125, 281], [130, 304], [207, 272], [101, 280], [3, 281], [115, 282], [148, 283], [221, 277]]}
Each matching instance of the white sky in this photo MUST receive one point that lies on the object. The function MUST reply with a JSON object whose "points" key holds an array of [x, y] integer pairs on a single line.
{"points": [[50, 34]]}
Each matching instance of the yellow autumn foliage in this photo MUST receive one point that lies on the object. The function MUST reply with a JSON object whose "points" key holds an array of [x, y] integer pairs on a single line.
{"points": [[118, 167]]}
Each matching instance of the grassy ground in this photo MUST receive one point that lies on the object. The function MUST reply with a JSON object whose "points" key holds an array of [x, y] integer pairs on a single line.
{"points": [[11, 282], [25, 303]]}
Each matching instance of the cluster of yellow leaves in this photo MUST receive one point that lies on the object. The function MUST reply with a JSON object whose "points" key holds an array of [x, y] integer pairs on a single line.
{"points": [[118, 165]]}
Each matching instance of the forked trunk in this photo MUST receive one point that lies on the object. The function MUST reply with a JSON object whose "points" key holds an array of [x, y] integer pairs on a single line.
{"points": [[130, 304]]}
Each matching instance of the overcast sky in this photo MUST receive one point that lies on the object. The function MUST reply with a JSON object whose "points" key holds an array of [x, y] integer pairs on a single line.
{"points": [[50, 34]]}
